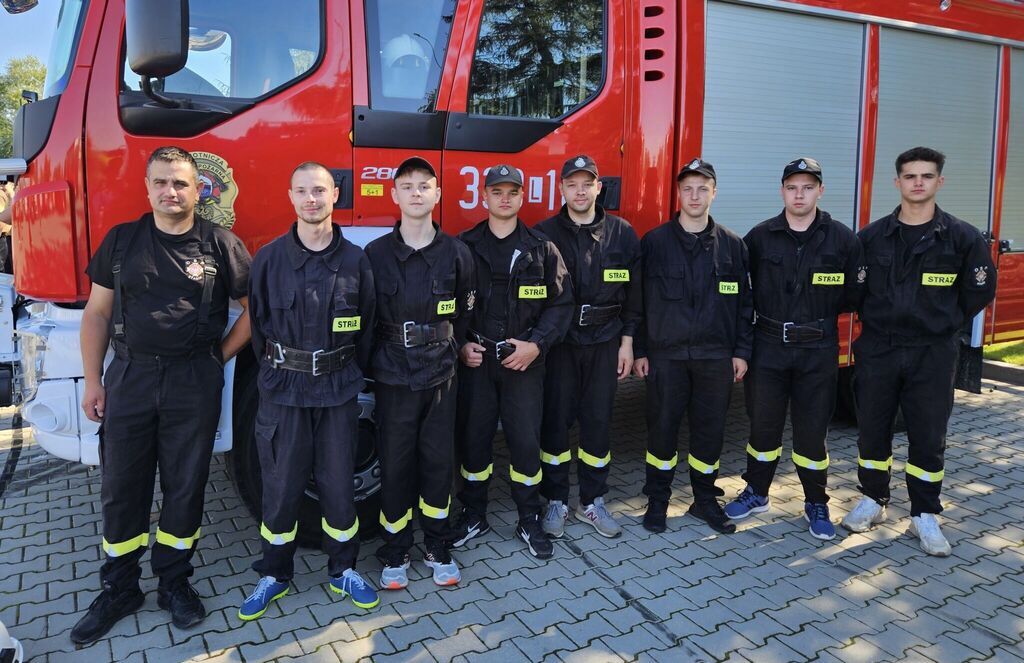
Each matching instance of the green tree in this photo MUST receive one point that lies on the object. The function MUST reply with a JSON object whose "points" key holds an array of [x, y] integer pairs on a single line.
{"points": [[27, 73]]}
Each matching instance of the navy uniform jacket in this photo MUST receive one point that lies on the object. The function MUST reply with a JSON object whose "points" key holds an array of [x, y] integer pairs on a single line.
{"points": [[310, 302], [948, 280], [697, 299], [603, 261], [539, 303], [807, 283], [428, 285]]}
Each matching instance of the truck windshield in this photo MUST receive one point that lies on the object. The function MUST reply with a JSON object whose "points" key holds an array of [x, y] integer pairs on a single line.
{"points": [[63, 47]]}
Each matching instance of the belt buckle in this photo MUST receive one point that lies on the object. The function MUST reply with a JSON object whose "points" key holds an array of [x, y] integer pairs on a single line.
{"points": [[584, 309], [406, 328], [277, 358], [786, 326], [498, 345], [316, 364]]}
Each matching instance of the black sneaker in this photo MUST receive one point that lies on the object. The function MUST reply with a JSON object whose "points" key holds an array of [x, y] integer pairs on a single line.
{"points": [[655, 516], [106, 610], [710, 511], [182, 601], [468, 526], [530, 531]]}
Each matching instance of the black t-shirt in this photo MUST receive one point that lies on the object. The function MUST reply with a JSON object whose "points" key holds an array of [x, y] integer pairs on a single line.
{"points": [[499, 253], [324, 251], [801, 236], [911, 235], [162, 282]]}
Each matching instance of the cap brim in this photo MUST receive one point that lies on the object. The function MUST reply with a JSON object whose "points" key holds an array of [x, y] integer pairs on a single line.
{"points": [[695, 171], [570, 173], [416, 163]]}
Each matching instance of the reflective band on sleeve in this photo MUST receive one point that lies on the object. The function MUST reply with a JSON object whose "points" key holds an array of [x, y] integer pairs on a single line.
{"points": [[171, 541], [433, 511], [764, 456], [278, 539], [662, 464], [125, 547], [701, 466], [883, 465], [923, 475], [478, 476], [804, 461], [518, 477], [552, 459], [342, 536], [392, 527], [594, 461]]}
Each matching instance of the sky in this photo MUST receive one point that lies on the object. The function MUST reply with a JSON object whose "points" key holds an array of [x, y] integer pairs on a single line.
{"points": [[29, 33]]}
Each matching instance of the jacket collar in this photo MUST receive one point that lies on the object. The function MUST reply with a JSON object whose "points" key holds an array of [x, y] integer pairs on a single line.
{"points": [[690, 239], [529, 237], [891, 223], [403, 251], [299, 254], [595, 227]]}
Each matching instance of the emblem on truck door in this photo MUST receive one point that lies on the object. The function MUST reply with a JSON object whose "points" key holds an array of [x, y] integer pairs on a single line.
{"points": [[217, 189]]}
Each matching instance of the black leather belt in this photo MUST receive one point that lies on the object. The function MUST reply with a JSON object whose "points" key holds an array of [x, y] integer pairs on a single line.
{"points": [[122, 351], [791, 332], [500, 350], [588, 314], [410, 334], [316, 362]]}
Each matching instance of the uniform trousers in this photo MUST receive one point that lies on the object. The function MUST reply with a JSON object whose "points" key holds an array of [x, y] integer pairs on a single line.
{"points": [[919, 380], [701, 388], [294, 444], [580, 384], [161, 412]]}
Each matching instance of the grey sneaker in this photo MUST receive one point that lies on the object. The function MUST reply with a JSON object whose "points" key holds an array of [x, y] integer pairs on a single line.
{"points": [[444, 568], [394, 575], [864, 516], [597, 515], [554, 519], [926, 528]]}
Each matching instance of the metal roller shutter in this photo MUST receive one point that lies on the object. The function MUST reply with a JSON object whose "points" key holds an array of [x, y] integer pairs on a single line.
{"points": [[1013, 189]]}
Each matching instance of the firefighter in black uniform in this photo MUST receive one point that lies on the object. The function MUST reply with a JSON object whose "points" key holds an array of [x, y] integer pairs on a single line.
{"points": [[602, 254], [312, 304], [928, 274], [424, 281], [694, 343], [160, 295], [803, 269], [524, 310]]}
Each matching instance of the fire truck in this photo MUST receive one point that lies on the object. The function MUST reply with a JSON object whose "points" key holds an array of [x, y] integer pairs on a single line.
{"points": [[253, 88]]}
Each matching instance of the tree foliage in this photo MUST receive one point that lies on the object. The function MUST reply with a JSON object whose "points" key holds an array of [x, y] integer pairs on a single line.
{"points": [[27, 73]]}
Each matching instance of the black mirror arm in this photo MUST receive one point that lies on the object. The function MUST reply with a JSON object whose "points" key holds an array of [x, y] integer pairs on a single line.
{"points": [[147, 89]]}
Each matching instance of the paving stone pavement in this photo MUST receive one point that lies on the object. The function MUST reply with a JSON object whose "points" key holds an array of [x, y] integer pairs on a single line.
{"points": [[768, 593]]}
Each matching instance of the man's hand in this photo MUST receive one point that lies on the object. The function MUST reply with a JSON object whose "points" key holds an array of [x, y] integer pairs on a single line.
{"points": [[524, 355], [641, 367], [625, 357], [739, 369], [94, 400], [472, 354]]}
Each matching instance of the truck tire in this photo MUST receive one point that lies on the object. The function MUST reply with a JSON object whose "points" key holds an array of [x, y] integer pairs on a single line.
{"points": [[244, 465]]}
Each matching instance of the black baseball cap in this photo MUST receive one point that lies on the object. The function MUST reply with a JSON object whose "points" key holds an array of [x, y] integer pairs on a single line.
{"points": [[579, 164], [414, 163], [698, 166], [804, 165], [503, 173]]}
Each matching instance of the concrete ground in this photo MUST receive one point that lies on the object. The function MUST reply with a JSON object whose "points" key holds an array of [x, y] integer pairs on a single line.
{"points": [[768, 593]]}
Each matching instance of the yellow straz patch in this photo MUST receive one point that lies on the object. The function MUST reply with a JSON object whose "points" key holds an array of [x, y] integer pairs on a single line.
{"points": [[729, 287], [371, 190], [616, 276], [446, 307], [820, 278], [353, 324], [533, 292], [938, 279]]}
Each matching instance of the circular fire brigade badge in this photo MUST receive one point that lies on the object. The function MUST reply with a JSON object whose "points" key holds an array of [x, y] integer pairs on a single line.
{"points": [[217, 191], [802, 165], [503, 171], [695, 163], [580, 162], [194, 269]]}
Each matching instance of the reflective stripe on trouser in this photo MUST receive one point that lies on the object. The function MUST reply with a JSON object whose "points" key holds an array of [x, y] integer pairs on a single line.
{"points": [[701, 389], [157, 415], [485, 394], [918, 380], [781, 375], [579, 385], [295, 443], [416, 449]]}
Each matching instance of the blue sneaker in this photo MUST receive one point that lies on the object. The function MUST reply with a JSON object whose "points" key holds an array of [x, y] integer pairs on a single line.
{"points": [[747, 503], [267, 589], [351, 584], [821, 526]]}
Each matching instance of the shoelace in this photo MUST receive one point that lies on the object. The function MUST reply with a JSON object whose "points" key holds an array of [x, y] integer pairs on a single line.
{"points": [[862, 510], [262, 587], [748, 498], [819, 512], [600, 510], [354, 578], [928, 527], [554, 510]]}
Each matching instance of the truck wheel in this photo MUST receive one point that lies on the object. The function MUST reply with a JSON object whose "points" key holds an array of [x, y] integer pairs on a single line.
{"points": [[244, 464]]}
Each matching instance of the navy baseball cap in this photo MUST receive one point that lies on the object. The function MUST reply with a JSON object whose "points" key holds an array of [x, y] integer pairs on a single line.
{"points": [[414, 163], [502, 174], [579, 164], [698, 166], [805, 165]]}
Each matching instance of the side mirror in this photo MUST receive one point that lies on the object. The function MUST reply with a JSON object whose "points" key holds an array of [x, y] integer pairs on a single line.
{"points": [[157, 36], [18, 6], [29, 96]]}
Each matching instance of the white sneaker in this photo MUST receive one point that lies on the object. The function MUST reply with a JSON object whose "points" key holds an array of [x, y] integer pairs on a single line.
{"points": [[864, 516], [926, 528]]}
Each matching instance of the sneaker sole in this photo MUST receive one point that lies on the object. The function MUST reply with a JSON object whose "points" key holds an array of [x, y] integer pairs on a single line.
{"points": [[583, 519], [344, 594], [554, 535], [945, 552], [249, 618], [756, 509], [871, 525], [823, 537], [533, 552], [390, 586]]}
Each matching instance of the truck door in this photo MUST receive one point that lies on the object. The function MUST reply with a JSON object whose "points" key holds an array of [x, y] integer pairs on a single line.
{"points": [[1009, 307], [534, 84]]}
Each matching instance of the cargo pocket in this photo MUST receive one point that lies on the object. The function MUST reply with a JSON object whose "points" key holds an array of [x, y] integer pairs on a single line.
{"points": [[265, 434]]}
